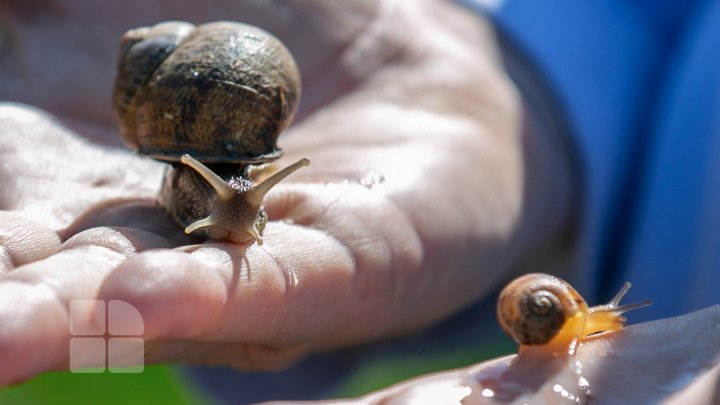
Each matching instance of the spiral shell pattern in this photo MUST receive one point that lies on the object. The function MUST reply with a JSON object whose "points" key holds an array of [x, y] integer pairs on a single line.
{"points": [[534, 308]]}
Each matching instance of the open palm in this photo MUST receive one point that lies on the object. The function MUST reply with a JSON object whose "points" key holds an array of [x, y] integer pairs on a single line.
{"points": [[415, 204]]}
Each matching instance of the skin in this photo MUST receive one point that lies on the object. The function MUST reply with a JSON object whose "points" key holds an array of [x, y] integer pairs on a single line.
{"points": [[424, 193], [616, 368], [388, 124]]}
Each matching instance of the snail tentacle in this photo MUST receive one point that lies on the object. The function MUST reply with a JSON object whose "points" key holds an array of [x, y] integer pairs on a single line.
{"points": [[255, 195], [236, 214], [199, 224], [608, 317], [222, 189], [621, 294]]}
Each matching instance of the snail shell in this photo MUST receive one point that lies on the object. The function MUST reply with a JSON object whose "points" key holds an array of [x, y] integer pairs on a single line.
{"points": [[534, 308], [221, 92], [210, 100]]}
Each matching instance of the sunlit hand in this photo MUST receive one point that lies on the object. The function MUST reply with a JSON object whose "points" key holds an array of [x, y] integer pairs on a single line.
{"points": [[421, 197]]}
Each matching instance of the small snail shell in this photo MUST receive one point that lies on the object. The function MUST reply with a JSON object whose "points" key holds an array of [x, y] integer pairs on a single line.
{"points": [[540, 309], [210, 100]]}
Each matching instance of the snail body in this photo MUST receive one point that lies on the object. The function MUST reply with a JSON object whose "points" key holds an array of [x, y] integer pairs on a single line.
{"points": [[211, 100], [544, 311]]}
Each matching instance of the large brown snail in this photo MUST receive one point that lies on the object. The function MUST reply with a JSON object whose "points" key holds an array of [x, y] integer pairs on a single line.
{"points": [[542, 310], [210, 100]]}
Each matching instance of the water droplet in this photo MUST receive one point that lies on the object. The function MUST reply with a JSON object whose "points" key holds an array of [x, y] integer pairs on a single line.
{"points": [[573, 347], [583, 383], [372, 179]]}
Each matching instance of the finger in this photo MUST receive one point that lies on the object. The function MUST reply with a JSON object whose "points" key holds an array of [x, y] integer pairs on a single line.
{"points": [[34, 308], [138, 215], [219, 304], [127, 241], [33, 336], [346, 275], [34, 298], [214, 291], [23, 241]]}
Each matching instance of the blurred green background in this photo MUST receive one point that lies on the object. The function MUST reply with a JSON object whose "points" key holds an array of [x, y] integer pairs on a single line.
{"points": [[156, 384]]}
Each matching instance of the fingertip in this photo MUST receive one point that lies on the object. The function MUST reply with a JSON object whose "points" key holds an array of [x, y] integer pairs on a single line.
{"points": [[30, 318]]}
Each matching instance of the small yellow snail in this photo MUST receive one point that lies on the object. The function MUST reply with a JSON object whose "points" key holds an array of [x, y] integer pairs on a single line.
{"points": [[210, 100], [542, 310]]}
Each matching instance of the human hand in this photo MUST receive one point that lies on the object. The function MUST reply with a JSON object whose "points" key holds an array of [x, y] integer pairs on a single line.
{"points": [[661, 361], [422, 195]]}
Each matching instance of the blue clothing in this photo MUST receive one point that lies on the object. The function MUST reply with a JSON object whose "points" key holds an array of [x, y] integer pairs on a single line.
{"points": [[640, 81]]}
